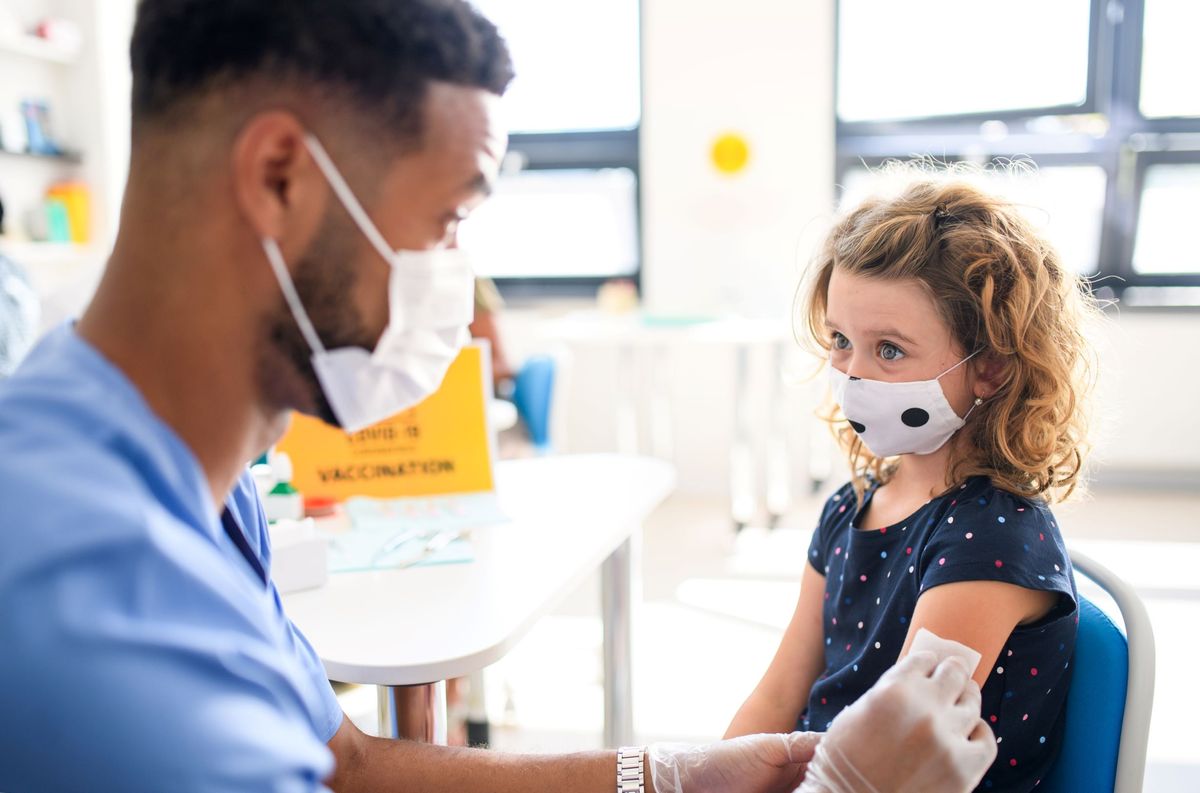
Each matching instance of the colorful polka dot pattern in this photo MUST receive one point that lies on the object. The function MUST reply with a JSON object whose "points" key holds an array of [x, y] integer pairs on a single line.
{"points": [[979, 534]]}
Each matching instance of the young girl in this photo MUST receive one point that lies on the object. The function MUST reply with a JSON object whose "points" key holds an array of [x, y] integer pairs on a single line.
{"points": [[959, 366]]}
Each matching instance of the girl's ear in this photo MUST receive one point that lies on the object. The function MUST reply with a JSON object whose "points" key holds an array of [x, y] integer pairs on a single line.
{"points": [[990, 371]]}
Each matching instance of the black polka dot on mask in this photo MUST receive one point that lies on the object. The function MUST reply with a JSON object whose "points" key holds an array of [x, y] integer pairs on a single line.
{"points": [[859, 428], [915, 417]]}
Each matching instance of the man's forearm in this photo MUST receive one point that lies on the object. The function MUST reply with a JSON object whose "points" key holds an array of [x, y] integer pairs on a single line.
{"points": [[387, 765]]}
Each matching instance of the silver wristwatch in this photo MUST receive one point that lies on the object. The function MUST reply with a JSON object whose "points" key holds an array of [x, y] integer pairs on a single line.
{"points": [[631, 774]]}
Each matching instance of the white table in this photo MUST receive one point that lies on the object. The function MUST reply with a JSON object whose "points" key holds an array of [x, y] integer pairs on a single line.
{"points": [[408, 631]]}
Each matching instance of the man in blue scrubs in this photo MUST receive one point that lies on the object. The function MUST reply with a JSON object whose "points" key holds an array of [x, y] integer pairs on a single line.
{"points": [[143, 645]]}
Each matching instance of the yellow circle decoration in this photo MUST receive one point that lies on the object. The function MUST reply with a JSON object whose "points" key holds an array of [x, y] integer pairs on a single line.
{"points": [[730, 153]]}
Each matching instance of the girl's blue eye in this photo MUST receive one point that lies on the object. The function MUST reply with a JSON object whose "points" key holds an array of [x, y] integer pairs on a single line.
{"points": [[840, 342], [890, 352]]}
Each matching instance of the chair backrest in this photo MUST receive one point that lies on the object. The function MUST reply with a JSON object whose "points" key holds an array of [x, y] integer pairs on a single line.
{"points": [[1112, 692], [533, 390]]}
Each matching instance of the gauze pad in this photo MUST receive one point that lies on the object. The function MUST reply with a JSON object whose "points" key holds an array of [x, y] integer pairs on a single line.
{"points": [[926, 641]]}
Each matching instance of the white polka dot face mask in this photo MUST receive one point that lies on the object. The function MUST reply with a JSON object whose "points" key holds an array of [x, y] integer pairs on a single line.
{"points": [[898, 418]]}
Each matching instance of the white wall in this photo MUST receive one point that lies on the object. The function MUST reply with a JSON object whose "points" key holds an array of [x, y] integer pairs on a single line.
{"points": [[760, 68], [1149, 421], [111, 83]]}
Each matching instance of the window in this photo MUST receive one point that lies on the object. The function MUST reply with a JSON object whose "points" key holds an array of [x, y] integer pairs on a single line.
{"points": [[577, 63], [1065, 202], [565, 214], [1099, 94], [1165, 241], [1169, 52], [553, 224], [928, 58]]}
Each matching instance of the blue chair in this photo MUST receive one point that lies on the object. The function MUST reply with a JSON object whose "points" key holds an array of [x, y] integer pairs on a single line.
{"points": [[533, 391], [1112, 693]]}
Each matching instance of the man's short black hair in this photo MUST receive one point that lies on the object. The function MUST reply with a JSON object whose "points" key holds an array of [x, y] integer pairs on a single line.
{"points": [[377, 55]]}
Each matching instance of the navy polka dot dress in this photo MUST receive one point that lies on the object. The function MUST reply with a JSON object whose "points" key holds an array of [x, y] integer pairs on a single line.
{"points": [[975, 533]]}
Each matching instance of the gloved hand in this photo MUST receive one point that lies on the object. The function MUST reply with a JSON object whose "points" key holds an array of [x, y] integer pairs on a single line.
{"points": [[750, 764], [917, 729]]}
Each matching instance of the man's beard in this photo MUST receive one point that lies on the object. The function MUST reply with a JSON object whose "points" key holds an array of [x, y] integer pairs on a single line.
{"points": [[324, 277]]}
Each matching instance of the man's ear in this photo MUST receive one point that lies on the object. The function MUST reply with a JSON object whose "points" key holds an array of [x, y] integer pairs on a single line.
{"points": [[278, 187], [990, 372]]}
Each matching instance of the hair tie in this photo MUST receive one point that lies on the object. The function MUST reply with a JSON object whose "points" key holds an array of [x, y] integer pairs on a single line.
{"points": [[939, 216]]}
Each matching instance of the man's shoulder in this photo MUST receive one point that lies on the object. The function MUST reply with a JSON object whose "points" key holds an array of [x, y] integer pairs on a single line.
{"points": [[58, 449], [67, 506], [77, 444], [72, 497], [57, 407]]}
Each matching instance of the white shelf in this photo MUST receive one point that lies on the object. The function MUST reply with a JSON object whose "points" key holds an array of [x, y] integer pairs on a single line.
{"points": [[37, 48], [63, 274], [35, 254], [66, 158]]}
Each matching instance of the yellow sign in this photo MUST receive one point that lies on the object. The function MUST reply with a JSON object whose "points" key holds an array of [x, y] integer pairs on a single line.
{"points": [[440, 446], [730, 153]]}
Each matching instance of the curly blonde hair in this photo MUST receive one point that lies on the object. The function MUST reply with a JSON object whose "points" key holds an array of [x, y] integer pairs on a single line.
{"points": [[1001, 289]]}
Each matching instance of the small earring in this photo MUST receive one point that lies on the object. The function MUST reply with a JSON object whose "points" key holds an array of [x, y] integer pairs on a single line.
{"points": [[978, 401]]}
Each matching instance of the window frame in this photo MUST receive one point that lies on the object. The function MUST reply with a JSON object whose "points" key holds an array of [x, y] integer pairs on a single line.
{"points": [[1144, 161], [1128, 144], [1047, 160], [593, 150], [1097, 53]]}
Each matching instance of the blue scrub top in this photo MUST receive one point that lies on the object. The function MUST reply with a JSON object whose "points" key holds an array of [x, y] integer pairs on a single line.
{"points": [[138, 648]]}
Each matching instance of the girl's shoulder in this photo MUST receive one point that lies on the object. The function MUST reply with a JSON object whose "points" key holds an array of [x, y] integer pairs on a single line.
{"points": [[985, 532], [840, 508], [843, 505], [841, 500], [845, 499], [980, 500]]}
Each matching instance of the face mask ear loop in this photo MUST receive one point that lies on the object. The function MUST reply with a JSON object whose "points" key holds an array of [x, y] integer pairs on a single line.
{"points": [[275, 257], [349, 200], [960, 363], [978, 401]]}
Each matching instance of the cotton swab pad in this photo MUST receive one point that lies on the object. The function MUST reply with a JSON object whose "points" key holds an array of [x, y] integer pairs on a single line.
{"points": [[928, 642]]}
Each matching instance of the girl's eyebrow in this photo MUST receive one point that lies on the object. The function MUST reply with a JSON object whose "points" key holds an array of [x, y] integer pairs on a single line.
{"points": [[880, 333], [891, 333]]}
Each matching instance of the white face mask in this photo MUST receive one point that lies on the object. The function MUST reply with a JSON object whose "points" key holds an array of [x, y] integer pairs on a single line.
{"points": [[898, 418], [431, 301]]}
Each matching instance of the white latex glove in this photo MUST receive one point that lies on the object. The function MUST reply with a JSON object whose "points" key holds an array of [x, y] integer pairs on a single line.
{"points": [[918, 729], [749, 764]]}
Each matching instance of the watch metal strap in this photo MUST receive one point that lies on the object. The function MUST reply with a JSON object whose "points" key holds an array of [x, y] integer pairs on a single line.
{"points": [[631, 769]]}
